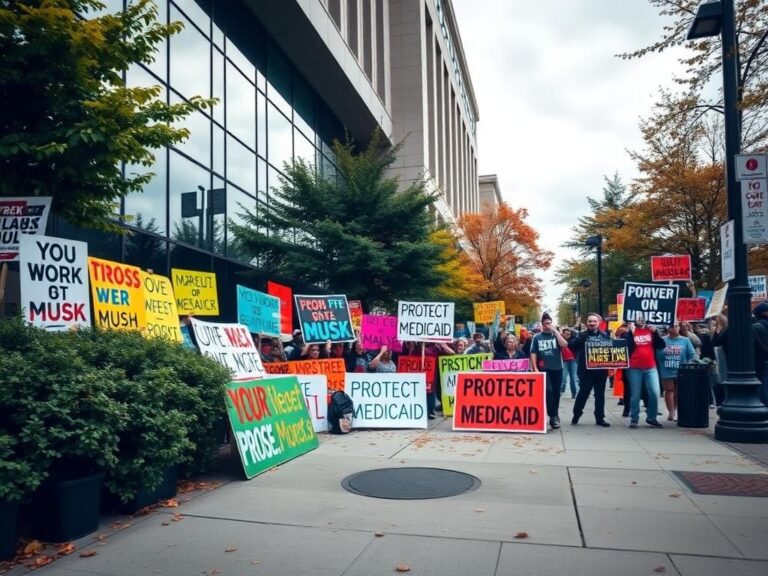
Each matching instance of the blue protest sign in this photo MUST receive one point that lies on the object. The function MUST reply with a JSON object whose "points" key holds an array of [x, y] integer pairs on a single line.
{"points": [[258, 311]]}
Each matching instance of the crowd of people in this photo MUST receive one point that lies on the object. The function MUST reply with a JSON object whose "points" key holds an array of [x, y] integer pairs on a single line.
{"points": [[655, 355]]}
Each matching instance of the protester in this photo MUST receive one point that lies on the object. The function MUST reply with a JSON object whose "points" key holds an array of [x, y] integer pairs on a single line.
{"points": [[589, 380], [643, 341], [297, 341], [479, 346], [382, 362], [460, 345], [719, 331], [570, 377], [686, 331], [546, 356], [760, 337], [436, 349], [271, 350], [356, 358], [678, 350], [511, 349], [333, 349]]}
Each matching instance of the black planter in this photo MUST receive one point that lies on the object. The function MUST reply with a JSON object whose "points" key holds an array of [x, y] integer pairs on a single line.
{"points": [[166, 489], [66, 508], [9, 515]]}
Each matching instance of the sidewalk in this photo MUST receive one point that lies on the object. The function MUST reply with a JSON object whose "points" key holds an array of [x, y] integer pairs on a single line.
{"points": [[590, 501]]}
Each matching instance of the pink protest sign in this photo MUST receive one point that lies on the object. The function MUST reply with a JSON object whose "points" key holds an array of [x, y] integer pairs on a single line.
{"points": [[378, 331], [516, 365]]}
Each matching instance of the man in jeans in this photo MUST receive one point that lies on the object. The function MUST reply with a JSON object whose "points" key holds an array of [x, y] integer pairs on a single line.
{"points": [[643, 341], [546, 357]]}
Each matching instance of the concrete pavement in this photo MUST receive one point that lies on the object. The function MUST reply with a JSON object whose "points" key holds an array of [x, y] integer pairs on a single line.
{"points": [[590, 501]]}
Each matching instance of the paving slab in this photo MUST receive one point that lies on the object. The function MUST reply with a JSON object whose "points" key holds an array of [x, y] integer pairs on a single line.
{"points": [[734, 463], [748, 533], [701, 566], [635, 497], [614, 477]]}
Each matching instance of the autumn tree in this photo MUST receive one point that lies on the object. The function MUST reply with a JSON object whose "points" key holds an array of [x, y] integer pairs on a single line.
{"points": [[460, 281], [68, 120], [503, 249]]}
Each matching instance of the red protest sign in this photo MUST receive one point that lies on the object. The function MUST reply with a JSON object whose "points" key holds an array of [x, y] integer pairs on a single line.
{"points": [[413, 364], [285, 294], [502, 401], [691, 309], [668, 268]]}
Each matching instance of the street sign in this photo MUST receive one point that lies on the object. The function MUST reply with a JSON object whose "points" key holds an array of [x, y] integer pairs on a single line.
{"points": [[754, 211], [751, 166], [727, 252]]}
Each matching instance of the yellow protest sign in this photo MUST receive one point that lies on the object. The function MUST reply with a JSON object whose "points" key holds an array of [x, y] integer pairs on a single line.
{"points": [[485, 312], [162, 319], [195, 292], [612, 326], [118, 297]]}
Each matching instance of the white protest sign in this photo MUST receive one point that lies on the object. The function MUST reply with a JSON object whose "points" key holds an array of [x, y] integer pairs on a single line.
{"points": [[388, 400], [20, 216], [54, 282], [754, 211], [230, 345], [757, 285], [727, 252], [425, 321], [717, 302], [315, 390]]}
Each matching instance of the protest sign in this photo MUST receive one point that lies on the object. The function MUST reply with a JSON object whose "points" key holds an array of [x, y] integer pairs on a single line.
{"points": [[604, 354], [757, 285], [501, 401], [162, 319], [669, 268], [449, 367], [356, 313], [324, 318], [425, 321], [410, 364], [54, 282], [118, 295], [727, 251], [270, 422], [230, 345], [510, 365], [388, 400], [332, 368], [754, 211], [485, 312], [259, 311], [378, 331], [656, 303], [314, 387], [718, 302], [196, 292], [691, 309], [285, 294], [21, 216]]}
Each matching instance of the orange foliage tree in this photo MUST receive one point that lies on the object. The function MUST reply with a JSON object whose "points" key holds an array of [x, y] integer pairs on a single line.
{"points": [[503, 249]]}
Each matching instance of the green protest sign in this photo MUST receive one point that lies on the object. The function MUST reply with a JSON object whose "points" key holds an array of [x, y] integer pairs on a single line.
{"points": [[450, 366], [270, 422]]}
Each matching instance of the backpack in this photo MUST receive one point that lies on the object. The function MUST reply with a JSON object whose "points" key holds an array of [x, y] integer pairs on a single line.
{"points": [[340, 411]]}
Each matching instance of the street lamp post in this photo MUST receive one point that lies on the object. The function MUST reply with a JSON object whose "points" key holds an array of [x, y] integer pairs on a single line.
{"points": [[597, 242], [742, 417], [585, 284]]}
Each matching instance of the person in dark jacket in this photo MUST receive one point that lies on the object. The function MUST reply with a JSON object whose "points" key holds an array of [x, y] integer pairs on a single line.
{"points": [[760, 339], [589, 380]]}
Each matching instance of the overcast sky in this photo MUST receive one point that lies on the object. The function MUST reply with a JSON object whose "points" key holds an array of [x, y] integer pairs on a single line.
{"points": [[558, 110]]}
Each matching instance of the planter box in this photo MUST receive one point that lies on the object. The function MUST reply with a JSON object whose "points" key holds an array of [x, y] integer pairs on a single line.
{"points": [[166, 489], [66, 509], [9, 515]]}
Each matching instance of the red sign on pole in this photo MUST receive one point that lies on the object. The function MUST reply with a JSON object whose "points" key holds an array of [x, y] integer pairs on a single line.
{"points": [[691, 309], [668, 268], [501, 401], [285, 294]]}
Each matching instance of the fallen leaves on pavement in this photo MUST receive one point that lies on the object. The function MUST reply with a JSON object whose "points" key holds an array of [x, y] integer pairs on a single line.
{"points": [[65, 549], [88, 553], [403, 568], [521, 535]]}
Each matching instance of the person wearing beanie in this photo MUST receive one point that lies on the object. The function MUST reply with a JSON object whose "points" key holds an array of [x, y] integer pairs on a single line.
{"points": [[760, 340], [546, 356]]}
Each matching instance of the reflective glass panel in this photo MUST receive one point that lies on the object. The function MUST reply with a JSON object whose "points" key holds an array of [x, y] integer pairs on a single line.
{"points": [[148, 207], [280, 138], [188, 185], [241, 165], [195, 14], [241, 107], [237, 204], [278, 79], [303, 148], [218, 86], [190, 60], [198, 144]]}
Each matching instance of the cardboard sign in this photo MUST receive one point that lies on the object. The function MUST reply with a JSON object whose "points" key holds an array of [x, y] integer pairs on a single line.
{"points": [[425, 321], [485, 312], [411, 364], [691, 309], [449, 367], [314, 387], [510, 365], [20, 216], [270, 422], [324, 318], [333, 368], [196, 292], [388, 400], [501, 401], [604, 354], [259, 311], [356, 313], [54, 282], [285, 294], [378, 331], [118, 295], [718, 302], [162, 318], [657, 303], [757, 285], [669, 268], [230, 345]]}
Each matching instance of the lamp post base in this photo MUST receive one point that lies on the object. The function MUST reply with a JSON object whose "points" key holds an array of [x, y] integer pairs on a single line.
{"points": [[742, 416]]}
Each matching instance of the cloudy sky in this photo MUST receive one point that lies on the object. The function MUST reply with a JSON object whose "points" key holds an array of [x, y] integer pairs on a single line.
{"points": [[558, 110]]}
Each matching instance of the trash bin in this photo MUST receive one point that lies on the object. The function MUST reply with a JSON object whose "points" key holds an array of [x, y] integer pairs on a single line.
{"points": [[693, 383]]}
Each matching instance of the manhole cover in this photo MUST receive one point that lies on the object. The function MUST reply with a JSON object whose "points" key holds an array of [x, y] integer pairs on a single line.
{"points": [[410, 483], [726, 484]]}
